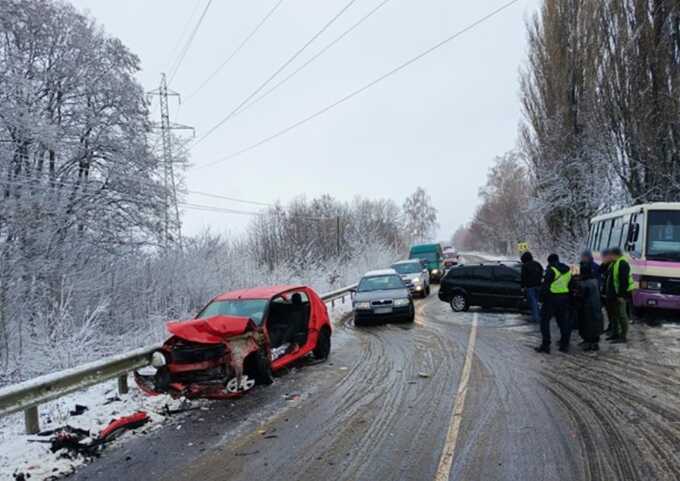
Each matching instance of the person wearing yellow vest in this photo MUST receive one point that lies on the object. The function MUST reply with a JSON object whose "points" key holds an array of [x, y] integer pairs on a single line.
{"points": [[618, 290], [555, 295]]}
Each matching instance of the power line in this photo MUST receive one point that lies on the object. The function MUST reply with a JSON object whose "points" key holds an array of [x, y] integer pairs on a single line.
{"points": [[314, 57], [236, 50], [363, 88], [185, 29], [210, 208], [232, 199], [188, 205], [225, 210], [175, 69], [278, 71], [42, 184]]}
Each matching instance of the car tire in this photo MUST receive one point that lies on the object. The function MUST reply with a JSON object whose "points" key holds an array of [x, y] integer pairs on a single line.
{"points": [[412, 315], [459, 302], [323, 344], [259, 367]]}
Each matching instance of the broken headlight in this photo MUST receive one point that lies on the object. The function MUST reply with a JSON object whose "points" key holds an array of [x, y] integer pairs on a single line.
{"points": [[158, 359]]}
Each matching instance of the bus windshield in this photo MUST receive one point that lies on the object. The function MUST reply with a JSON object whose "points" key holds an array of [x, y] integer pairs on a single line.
{"points": [[663, 235]]}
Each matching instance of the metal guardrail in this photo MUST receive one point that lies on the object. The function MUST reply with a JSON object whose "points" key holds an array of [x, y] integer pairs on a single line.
{"points": [[28, 395]]}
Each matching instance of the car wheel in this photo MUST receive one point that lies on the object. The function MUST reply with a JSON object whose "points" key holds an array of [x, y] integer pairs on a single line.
{"points": [[259, 367], [459, 302], [412, 314], [323, 344]]}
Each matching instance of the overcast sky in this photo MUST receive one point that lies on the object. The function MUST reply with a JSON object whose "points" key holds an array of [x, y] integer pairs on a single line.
{"points": [[437, 124]]}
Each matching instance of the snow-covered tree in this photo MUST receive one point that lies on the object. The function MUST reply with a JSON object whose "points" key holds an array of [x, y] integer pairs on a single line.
{"points": [[420, 216]]}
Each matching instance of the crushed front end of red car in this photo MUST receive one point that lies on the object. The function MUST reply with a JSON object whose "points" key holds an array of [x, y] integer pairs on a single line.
{"points": [[214, 358]]}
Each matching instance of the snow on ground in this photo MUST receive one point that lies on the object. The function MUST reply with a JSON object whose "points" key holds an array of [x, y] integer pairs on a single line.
{"points": [[488, 257], [22, 454]]}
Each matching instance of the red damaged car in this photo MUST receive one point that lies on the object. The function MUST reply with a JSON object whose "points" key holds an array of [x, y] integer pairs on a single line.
{"points": [[237, 341]]}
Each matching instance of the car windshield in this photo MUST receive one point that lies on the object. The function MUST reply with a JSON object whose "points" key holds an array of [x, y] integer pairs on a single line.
{"points": [[663, 235], [428, 256], [252, 308], [379, 283], [408, 267]]}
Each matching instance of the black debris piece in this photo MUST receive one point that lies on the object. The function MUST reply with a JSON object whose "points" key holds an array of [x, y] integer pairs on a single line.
{"points": [[78, 410]]}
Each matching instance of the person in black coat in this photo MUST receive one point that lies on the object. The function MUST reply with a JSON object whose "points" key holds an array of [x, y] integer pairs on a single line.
{"points": [[531, 280], [589, 307]]}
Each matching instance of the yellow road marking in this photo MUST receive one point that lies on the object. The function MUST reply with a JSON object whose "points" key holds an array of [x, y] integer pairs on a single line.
{"points": [[446, 461]]}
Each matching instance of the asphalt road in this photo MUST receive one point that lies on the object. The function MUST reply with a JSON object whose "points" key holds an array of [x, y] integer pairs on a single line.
{"points": [[394, 399]]}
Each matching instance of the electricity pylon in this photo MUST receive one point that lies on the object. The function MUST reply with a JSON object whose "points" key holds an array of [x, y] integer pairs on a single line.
{"points": [[172, 226]]}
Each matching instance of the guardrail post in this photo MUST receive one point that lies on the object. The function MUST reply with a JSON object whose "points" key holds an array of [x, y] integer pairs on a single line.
{"points": [[31, 420], [123, 384]]}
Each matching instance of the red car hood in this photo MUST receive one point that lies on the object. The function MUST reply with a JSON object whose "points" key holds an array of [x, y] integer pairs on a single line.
{"points": [[211, 330]]}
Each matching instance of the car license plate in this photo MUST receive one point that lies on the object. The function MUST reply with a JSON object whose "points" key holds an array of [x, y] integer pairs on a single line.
{"points": [[383, 310]]}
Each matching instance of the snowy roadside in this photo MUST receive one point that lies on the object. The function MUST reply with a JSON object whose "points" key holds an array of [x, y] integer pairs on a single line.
{"points": [[485, 256], [28, 457]]}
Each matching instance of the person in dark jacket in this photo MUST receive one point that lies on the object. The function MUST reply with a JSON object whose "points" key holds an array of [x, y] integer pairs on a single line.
{"points": [[618, 291], [556, 303], [604, 273], [532, 277], [587, 258], [589, 307]]}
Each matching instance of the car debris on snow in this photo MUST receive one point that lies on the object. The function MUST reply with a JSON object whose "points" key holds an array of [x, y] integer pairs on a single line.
{"points": [[30, 457], [78, 410]]}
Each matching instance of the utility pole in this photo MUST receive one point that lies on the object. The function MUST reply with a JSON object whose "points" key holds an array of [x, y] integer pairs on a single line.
{"points": [[172, 227]]}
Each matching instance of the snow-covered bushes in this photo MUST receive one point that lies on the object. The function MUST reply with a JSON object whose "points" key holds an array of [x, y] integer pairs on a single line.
{"points": [[127, 302]]}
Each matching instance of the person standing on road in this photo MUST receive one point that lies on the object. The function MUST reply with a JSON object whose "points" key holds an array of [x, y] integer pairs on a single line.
{"points": [[589, 310], [605, 273], [619, 287], [587, 258], [556, 303], [532, 277]]}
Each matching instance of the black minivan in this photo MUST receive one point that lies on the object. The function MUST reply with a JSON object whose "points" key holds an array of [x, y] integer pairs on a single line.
{"points": [[485, 285]]}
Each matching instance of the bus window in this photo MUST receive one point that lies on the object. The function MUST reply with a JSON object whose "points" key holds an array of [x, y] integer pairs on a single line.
{"points": [[604, 235], [634, 245], [596, 236], [615, 239], [663, 235]]}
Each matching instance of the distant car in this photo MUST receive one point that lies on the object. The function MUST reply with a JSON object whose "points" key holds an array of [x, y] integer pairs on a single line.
{"points": [[451, 259], [485, 285], [382, 296], [415, 276], [432, 254], [237, 341]]}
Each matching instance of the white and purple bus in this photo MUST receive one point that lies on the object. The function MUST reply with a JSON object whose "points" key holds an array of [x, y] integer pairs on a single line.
{"points": [[649, 234]]}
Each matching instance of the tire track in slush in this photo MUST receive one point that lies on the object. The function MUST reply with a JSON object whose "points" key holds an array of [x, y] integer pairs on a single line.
{"points": [[394, 397], [656, 428], [375, 394]]}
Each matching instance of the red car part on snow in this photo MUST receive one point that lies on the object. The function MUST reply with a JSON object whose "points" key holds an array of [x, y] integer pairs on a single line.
{"points": [[126, 422]]}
